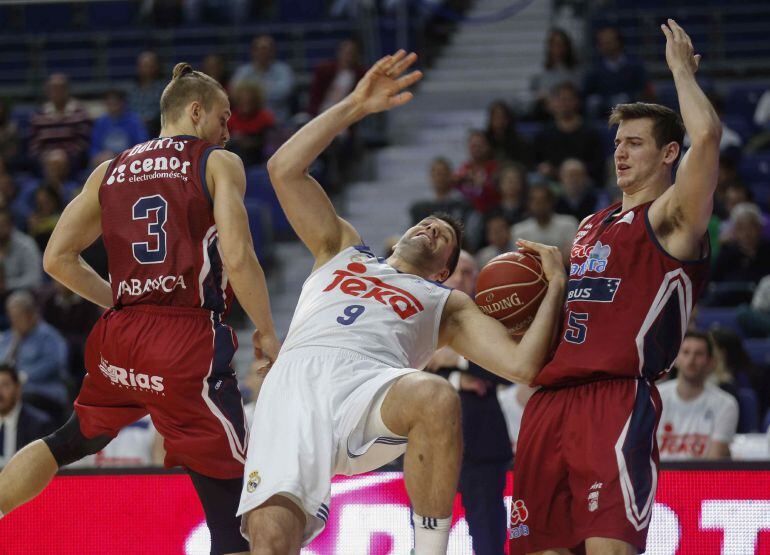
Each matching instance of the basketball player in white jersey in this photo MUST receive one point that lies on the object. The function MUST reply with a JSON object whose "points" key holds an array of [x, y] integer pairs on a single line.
{"points": [[344, 395]]}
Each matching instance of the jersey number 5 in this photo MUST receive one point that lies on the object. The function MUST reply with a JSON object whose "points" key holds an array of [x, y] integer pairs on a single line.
{"points": [[576, 327], [143, 208]]}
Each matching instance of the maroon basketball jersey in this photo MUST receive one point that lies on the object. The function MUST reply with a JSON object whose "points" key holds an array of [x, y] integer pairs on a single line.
{"points": [[158, 226], [628, 301]]}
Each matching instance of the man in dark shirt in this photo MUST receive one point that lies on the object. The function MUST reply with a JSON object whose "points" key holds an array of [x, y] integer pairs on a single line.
{"points": [[568, 136]]}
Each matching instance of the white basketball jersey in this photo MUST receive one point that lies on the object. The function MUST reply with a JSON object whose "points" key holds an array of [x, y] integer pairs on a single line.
{"points": [[358, 302]]}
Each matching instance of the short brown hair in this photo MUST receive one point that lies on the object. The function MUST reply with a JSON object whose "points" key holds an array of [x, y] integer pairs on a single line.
{"points": [[667, 125], [187, 85], [457, 227]]}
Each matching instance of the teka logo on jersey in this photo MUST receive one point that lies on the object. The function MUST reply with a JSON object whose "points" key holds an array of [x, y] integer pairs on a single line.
{"points": [[349, 282], [597, 255], [519, 515], [135, 287], [691, 445], [131, 379]]}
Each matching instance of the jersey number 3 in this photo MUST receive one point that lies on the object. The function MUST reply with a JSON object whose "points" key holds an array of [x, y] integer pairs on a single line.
{"points": [[152, 251]]}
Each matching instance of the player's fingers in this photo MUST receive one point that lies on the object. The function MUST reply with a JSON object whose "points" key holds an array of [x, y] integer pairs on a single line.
{"points": [[400, 99], [531, 245], [677, 30], [409, 79], [381, 65], [401, 66], [666, 31], [393, 62]]}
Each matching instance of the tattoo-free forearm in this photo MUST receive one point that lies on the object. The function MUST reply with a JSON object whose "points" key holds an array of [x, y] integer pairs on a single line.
{"points": [[532, 352], [78, 276], [248, 281], [700, 118]]}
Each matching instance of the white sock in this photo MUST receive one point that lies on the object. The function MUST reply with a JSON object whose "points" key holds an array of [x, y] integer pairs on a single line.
{"points": [[431, 535]]}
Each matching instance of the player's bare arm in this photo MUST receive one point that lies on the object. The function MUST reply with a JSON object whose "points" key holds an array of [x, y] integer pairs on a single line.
{"points": [[685, 208], [308, 208], [79, 225], [486, 342], [227, 182], [718, 450]]}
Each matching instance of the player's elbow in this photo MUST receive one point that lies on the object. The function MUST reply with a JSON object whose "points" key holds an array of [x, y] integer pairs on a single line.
{"points": [[279, 168], [52, 261], [237, 259], [710, 135], [522, 373]]}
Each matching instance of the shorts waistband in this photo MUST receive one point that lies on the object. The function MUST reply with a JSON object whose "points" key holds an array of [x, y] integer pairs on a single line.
{"points": [[593, 381], [325, 351], [163, 310]]}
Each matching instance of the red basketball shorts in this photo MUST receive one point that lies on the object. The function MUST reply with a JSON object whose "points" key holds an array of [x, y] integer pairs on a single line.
{"points": [[586, 466], [173, 363]]}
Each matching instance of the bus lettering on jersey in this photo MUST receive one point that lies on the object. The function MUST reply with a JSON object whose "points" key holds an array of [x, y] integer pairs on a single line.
{"points": [[351, 282]]}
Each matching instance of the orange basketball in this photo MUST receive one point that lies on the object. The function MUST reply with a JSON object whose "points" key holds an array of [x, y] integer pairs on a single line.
{"points": [[510, 288]]}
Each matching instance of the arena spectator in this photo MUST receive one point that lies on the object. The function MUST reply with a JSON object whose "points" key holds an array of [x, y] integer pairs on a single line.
{"points": [[615, 77], [73, 317], [486, 451], [61, 123], [56, 171], [545, 226], [498, 235], [505, 142], [476, 178], [20, 423], [215, 66], [698, 419], [274, 76], [568, 137], [42, 220], [745, 255], [761, 141], [19, 255], [334, 79], [578, 198], [10, 139], [446, 197], [39, 354], [755, 319], [513, 399], [732, 361], [514, 188], [561, 66], [115, 131], [14, 200], [250, 123], [144, 93]]}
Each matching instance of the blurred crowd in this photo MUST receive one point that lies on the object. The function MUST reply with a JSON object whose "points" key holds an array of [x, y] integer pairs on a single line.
{"points": [[531, 173]]}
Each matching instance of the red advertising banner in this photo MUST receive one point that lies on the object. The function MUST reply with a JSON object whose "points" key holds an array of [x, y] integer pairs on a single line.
{"points": [[696, 511]]}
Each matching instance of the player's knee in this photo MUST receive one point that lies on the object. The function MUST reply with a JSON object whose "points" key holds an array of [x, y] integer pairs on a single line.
{"points": [[441, 402], [68, 444]]}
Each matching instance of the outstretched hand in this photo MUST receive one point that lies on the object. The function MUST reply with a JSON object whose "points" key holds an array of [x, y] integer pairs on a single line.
{"points": [[679, 50], [382, 88]]}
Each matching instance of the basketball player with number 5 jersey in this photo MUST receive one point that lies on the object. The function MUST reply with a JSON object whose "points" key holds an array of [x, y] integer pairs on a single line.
{"points": [[345, 395], [587, 468], [172, 217]]}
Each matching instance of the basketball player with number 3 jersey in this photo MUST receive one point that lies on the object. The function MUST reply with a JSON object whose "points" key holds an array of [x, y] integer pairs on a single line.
{"points": [[345, 395], [176, 232], [586, 472]]}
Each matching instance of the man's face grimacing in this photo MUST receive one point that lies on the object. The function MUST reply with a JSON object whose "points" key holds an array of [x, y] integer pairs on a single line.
{"points": [[693, 360], [429, 245], [637, 155]]}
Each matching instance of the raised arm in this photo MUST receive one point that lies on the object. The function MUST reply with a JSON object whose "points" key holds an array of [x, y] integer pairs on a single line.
{"points": [[304, 201], [486, 342], [689, 203], [227, 182], [79, 225]]}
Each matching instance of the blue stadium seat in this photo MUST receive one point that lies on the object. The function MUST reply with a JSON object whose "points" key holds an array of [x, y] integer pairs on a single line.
{"points": [[712, 317], [766, 421], [742, 100], [748, 417], [261, 227], [47, 17], [758, 350], [112, 14], [761, 192], [756, 167], [258, 187], [745, 128]]}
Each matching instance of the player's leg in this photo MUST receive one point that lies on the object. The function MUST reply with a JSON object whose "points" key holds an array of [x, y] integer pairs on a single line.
{"points": [[33, 467], [609, 546], [219, 498], [426, 409], [276, 527]]}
